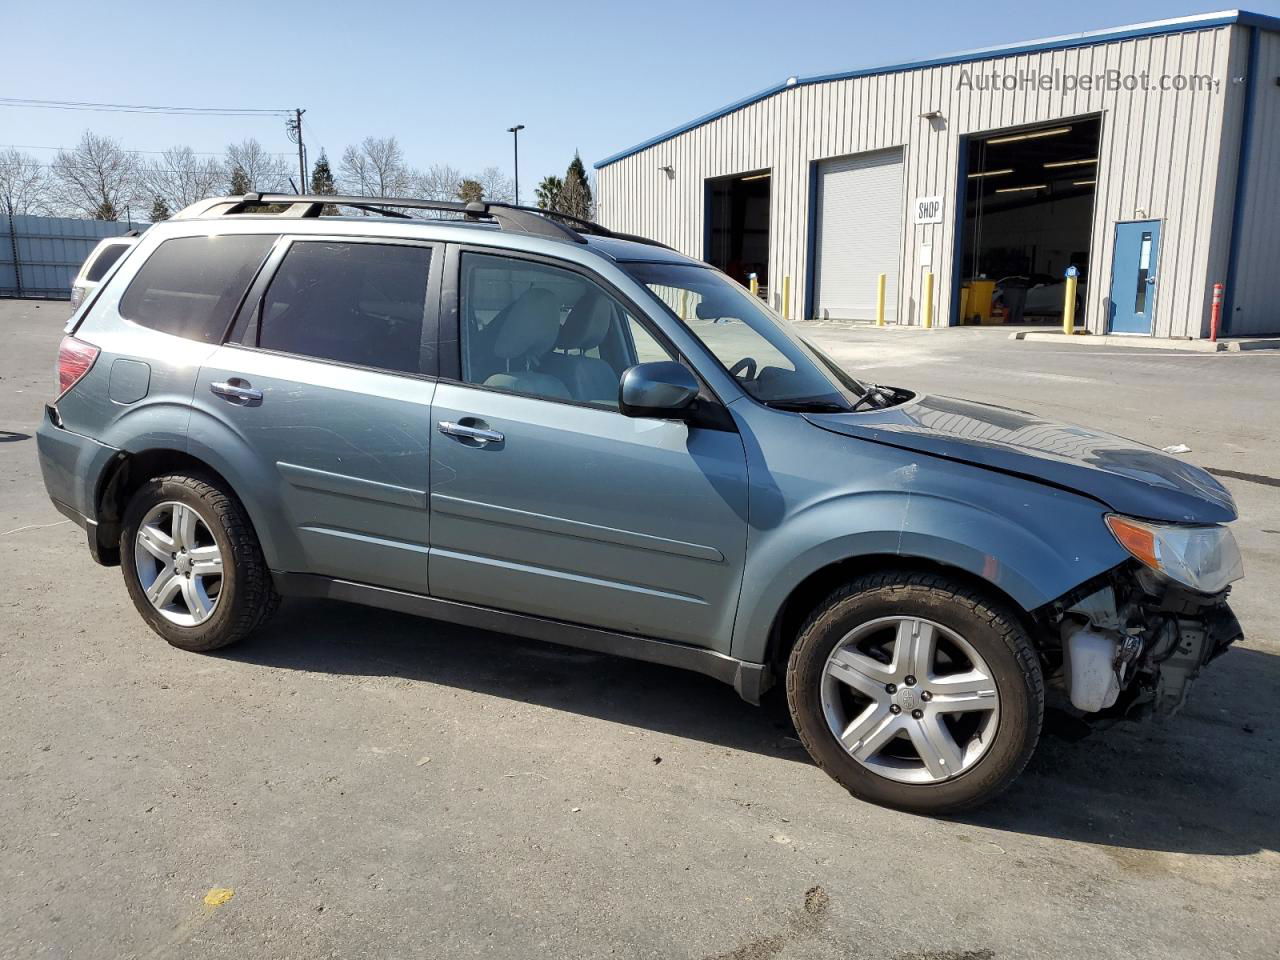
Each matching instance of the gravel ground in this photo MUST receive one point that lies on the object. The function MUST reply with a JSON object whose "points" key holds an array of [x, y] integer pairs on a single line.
{"points": [[368, 784]]}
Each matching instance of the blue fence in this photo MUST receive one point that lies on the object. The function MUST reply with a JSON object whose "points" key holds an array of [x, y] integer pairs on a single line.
{"points": [[40, 256]]}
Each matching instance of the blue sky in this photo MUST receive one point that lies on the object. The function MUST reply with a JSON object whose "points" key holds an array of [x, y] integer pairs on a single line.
{"points": [[448, 78]]}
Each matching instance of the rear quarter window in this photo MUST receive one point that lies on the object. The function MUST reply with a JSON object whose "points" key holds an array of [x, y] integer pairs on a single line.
{"points": [[191, 286], [106, 259]]}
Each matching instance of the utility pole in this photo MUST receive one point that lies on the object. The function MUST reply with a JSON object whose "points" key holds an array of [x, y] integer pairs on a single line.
{"points": [[515, 146], [294, 126]]}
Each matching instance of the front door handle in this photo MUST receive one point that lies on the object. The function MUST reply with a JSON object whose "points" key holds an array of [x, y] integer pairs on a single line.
{"points": [[236, 391], [478, 434]]}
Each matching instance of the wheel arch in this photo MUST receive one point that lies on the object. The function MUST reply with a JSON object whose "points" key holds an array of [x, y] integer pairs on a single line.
{"points": [[125, 474], [820, 583]]}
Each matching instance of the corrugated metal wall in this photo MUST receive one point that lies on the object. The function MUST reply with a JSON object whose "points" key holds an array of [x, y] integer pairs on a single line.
{"points": [[1256, 300], [1161, 157], [49, 251]]}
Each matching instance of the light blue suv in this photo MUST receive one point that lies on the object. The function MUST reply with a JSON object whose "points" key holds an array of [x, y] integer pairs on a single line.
{"points": [[523, 422]]}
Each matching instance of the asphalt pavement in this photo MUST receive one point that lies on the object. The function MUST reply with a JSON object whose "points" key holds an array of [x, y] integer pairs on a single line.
{"points": [[355, 783]]}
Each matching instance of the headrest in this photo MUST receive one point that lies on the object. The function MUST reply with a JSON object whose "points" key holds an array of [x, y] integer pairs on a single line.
{"points": [[530, 326], [587, 323]]}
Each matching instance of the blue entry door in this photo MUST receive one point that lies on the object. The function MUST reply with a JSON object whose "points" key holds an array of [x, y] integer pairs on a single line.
{"points": [[1133, 276]]}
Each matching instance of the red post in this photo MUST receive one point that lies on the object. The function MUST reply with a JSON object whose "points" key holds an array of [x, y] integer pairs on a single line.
{"points": [[1215, 313]]}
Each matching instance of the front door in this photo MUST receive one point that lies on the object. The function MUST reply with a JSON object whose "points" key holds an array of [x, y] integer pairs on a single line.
{"points": [[327, 381], [545, 499], [1133, 277]]}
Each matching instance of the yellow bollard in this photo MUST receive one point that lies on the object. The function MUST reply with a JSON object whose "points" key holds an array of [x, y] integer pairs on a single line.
{"points": [[786, 298], [928, 300], [1069, 306], [880, 300], [755, 285]]}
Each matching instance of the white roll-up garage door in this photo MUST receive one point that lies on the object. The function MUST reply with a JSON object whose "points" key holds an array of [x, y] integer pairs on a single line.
{"points": [[859, 235]]}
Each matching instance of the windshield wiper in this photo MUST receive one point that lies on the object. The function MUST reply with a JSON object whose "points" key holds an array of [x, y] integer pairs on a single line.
{"points": [[880, 396], [810, 406]]}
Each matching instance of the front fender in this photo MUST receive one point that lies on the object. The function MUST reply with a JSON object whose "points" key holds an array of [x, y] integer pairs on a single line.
{"points": [[856, 499]]}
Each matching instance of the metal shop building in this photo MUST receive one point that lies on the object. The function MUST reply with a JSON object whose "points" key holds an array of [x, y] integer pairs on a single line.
{"points": [[1146, 157]]}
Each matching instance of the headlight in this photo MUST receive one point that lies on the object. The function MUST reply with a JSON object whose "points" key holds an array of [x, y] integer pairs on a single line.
{"points": [[1202, 558]]}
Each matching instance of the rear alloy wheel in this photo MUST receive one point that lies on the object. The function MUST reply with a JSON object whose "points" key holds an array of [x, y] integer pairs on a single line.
{"points": [[178, 563], [193, 565], [916, 692]]}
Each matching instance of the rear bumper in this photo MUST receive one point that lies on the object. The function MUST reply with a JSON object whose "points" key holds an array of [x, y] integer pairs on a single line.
{"points": [[71, 466]]}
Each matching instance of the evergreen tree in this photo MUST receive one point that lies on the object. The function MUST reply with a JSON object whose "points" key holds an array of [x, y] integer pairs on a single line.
{"points": [[548, 193], [159, 210], [106, 210], [322, 177], [575, 195], [239, 181], [322, 183], [470, 191]]}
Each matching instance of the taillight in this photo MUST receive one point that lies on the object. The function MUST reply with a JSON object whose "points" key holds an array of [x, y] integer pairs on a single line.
{"points": [[75, 357]]}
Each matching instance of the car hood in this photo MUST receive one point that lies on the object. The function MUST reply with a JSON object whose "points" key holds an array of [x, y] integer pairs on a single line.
{"points": [[1130, 478]]}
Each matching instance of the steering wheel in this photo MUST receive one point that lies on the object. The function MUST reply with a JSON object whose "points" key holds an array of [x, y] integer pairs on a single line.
{"points": [[745, 368]]}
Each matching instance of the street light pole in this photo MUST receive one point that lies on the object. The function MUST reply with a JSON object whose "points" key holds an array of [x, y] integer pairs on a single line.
{"points": [[515, 147]]}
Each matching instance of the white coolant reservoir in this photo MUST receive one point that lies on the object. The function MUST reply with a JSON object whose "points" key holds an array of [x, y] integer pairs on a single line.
{"points": [[1089, 660]]}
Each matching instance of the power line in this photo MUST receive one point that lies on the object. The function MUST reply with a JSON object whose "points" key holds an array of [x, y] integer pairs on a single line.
{"points": [[198, 153], [142, 108]]}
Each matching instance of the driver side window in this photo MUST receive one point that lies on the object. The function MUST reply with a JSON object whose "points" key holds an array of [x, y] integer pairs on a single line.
{"points": [[544, 331]]}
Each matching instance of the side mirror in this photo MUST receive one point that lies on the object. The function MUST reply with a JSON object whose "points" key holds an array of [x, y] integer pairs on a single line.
{"points": [[663, 389]]}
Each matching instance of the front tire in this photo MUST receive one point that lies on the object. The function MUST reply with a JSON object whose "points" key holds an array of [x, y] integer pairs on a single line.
{"points": [[916, 692], [193, 565]]}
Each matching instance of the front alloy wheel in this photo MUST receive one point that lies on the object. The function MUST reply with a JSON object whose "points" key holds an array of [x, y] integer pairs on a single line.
{"points": [[916, 691], [910, 699]]}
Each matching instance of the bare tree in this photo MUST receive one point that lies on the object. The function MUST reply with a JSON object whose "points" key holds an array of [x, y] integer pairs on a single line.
{"points": [[22, 184], [375, 168], [97, 178], [180, 177], [495, 185], [439, 182], [265, 172]]}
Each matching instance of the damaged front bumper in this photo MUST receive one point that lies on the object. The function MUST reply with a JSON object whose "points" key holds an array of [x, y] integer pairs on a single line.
{"points": [[1134, 645]]}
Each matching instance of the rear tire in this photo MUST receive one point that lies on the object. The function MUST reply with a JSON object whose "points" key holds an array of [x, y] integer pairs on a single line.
{"points": [[950, 738], [192, 564]]}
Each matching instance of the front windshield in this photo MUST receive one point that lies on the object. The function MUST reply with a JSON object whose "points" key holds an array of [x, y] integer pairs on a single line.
{"points": [[771, 364]]}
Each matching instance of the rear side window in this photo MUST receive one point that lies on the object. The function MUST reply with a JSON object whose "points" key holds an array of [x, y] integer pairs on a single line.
{"points": [[106, 259], [358, 303], [191, 286]]}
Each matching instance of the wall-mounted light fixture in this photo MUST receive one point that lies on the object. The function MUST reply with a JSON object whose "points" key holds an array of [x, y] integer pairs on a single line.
{"points": [[931, 115], [669, 170]]}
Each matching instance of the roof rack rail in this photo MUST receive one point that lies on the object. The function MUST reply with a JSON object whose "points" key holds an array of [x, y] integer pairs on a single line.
{"points": [[508, 216]]}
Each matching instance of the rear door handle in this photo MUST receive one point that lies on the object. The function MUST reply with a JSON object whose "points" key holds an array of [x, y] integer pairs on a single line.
{"points": [[479, 434], [236, 391]]}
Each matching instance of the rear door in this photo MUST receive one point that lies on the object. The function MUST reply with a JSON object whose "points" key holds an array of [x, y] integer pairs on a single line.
{"points": [[545, 499], [328, 379]]}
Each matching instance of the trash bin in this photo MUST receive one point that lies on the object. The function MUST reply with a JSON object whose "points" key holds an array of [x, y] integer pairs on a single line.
{"points": [[980, 293]]}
